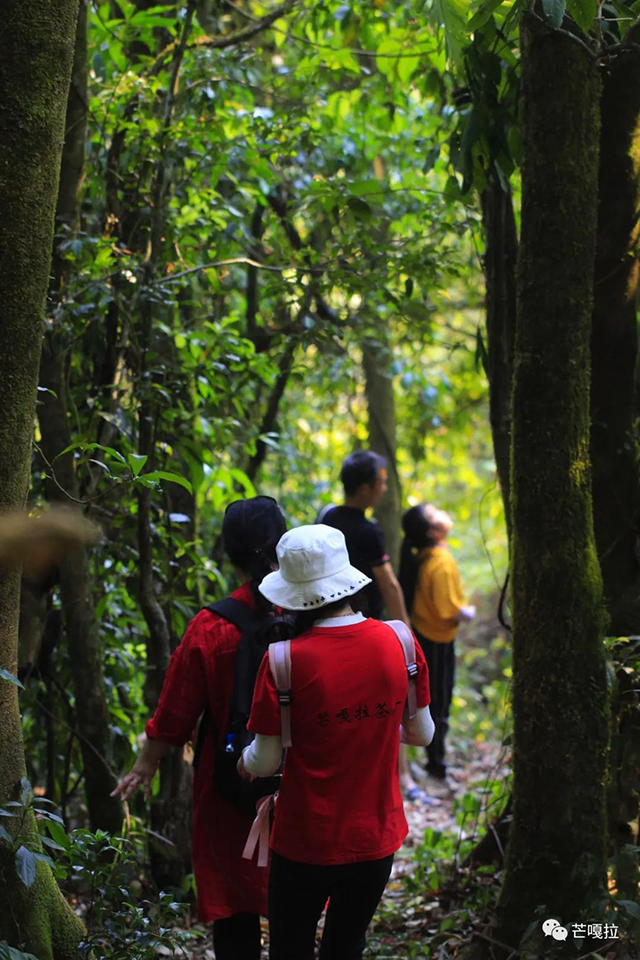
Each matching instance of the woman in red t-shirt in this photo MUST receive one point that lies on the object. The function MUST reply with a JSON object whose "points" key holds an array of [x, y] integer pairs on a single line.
{"points": [[232, 892], [339, 817]]}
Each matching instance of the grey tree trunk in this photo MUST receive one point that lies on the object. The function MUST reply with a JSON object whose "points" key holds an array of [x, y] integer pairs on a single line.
{"points": [[376, 359], [36, 53]]}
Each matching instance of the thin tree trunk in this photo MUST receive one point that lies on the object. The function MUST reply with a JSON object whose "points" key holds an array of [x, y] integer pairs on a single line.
{"points": [[76, 588], [36, 53], [376, 359], [556, 854], [616, 487], [500, 277]]}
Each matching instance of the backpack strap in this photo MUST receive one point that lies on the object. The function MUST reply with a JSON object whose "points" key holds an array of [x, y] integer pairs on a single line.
{"points": [[280, 665], [408, 644], [324, 512], [237, 613], [242, 617]]}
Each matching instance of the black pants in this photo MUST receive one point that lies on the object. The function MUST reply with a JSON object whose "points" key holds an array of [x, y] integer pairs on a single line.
{"points": [[237, 937], [297, 895], [441, 660]]}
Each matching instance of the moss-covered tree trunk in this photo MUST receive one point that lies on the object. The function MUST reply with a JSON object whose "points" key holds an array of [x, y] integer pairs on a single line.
{"points": [[376, 359], [85, 648], [556, 854], [36, 52], [616, 486]]}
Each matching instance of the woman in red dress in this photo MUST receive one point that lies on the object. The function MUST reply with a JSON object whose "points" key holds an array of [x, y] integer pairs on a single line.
{"points": [[231, 891]]}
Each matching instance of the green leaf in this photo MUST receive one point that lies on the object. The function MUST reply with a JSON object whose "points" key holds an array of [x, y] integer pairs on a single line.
{"points": [[554, 11], [10, 953], [26, 866], [631, 907], [626, 17], [27, 791], [453, 16], [163, 475], [583, 12], [479, 19], [5, 675], [42, 857], [359, 208], [136, 461], [240, 477], [58, 834], [5, 835]]}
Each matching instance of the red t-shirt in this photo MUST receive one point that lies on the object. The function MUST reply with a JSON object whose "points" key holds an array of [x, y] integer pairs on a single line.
{"points": [[340, 799]]}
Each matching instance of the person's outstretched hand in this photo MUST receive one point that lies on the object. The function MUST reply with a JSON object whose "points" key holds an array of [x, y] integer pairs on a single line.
{"points": [[140, 775], [143, 771]]}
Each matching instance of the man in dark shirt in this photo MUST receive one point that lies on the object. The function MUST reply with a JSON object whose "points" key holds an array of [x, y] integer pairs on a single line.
{"points": [[364, 477]]}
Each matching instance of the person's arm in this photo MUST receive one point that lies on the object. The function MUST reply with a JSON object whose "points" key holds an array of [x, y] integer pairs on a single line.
{"points": [[262, 757], [419, 730], [143, 771], [391, 591]]}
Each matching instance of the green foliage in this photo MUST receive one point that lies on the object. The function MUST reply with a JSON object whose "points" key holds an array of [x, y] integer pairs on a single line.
{"points": [[10, 953], [18, 844], [120, 924], [306, 203]]}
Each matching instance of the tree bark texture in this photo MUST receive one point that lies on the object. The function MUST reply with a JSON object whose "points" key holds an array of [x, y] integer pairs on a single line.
{"points": [[36, 53], [381, 407], [616, 487], [500, 277], [76, 588], [556, 855]]}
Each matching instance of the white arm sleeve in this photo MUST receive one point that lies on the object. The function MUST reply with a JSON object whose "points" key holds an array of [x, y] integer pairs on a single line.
{"points": [[263, 756], [466, 613], [418, 732]]}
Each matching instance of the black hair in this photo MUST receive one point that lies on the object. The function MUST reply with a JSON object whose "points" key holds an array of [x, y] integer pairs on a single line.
{"points": [[361, 467], [305, 619], [418, 534], [251, 530]]}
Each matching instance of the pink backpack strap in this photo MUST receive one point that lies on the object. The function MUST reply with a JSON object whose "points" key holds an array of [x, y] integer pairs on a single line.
{"points": [[408, 644], [280, 666]]}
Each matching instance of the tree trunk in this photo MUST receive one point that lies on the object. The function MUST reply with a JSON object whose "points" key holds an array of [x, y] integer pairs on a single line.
{"points": [[76, 588], [382, 438], [616, 490], [36, 52], [556, 854], [500, 276]]}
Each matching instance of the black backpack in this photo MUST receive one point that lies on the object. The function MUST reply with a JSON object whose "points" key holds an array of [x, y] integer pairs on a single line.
{"points": [[257, 633]]}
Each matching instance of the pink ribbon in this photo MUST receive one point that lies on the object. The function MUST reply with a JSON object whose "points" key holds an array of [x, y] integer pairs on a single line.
{"points": [[259, 833]]}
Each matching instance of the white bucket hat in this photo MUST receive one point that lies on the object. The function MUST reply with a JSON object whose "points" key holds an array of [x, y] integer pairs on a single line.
{"points": [[314, 569]]}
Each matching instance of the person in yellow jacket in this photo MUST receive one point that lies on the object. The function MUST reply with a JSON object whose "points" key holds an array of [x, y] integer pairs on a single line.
{"points": [[433, 593]]}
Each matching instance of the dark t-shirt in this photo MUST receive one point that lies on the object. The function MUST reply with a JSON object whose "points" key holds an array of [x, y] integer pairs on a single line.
{"points": [[366, 547]]}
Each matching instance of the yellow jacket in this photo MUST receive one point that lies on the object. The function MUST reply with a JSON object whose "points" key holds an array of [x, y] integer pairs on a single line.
{"points": [[438, 597]]}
